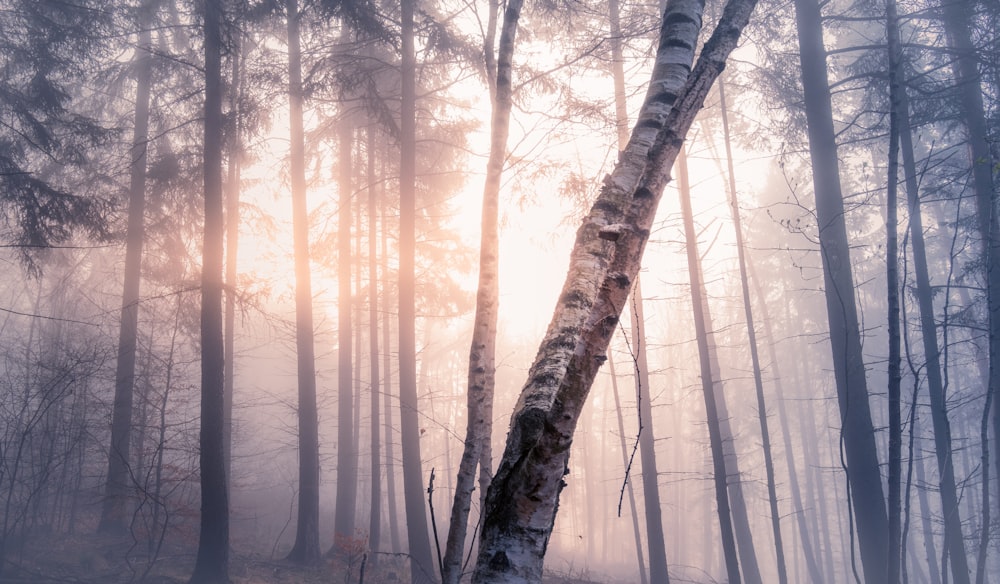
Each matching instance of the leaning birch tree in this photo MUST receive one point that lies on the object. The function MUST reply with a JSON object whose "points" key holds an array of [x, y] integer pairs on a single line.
{"points": [[523, 498]]}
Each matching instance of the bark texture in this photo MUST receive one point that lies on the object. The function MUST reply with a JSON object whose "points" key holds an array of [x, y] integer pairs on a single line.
{"points": [[482, 354], [523, 498]]}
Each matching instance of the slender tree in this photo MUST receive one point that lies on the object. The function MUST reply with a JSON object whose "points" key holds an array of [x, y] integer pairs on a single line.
{"points": [[647, 446], [892, 287], [347, 452], [212, 562], [421, 564], [306, 549], [765, 433], [857, 430], [482, 354], [113, 513], [706, 354], [523, 497], [375, 518]]}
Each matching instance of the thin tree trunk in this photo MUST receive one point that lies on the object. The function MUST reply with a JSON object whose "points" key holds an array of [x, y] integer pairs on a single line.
{"points": [[892, 287], [232, 246], [482, 354], [388, 425], [857, 431], [347, 455], [813, 567], [212, 562], [375, 520], [113, 513], [958, 24], [523, 498], [772, 495], [647, 445], [640, 559], [421, 564], [953, 538], [715, 433], [305, 550]]}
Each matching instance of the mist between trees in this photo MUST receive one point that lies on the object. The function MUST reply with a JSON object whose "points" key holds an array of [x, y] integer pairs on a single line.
{"points": [[288, 299]]}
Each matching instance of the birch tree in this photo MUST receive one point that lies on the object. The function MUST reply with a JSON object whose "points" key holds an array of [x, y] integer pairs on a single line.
{"points": [[523, 497]]}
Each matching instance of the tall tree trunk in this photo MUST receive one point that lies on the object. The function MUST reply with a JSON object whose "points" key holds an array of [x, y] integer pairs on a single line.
{"points": [[113, 514], [305, 550], [765, 433], [958, 24], [388, 425], [523, 498], [953, 538], [892, 288], [716, 436], [640, 559], [347, 455], [375, 519], [857, 430], [647, 446], [232, 246], [212, 562], [421, 564], [482, 354]]}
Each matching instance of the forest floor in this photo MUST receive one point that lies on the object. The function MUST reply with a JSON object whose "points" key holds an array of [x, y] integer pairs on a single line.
{"points": [[100, 559]]}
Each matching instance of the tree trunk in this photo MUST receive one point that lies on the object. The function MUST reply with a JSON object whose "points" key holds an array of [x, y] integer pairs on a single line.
{"points": [[421, 564], [305, 550], [772, 495], [523, 498], [647, 446], [388, 425], [958, 25], [119, 480], [482, 355], [892, 288], [212, 563], [716, 435], [857, 430], [347, 455], [232, 246], [640, 560], [375, 519]]}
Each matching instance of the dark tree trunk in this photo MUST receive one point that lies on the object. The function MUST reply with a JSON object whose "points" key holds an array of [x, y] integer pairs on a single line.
{"points": [[421, 564], [119, 479], [305, 550], [212, 563], [857, 430], [892, 288]]}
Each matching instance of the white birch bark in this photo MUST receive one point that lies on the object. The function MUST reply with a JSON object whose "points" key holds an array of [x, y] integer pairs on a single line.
{"points": [[523, 498]]}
